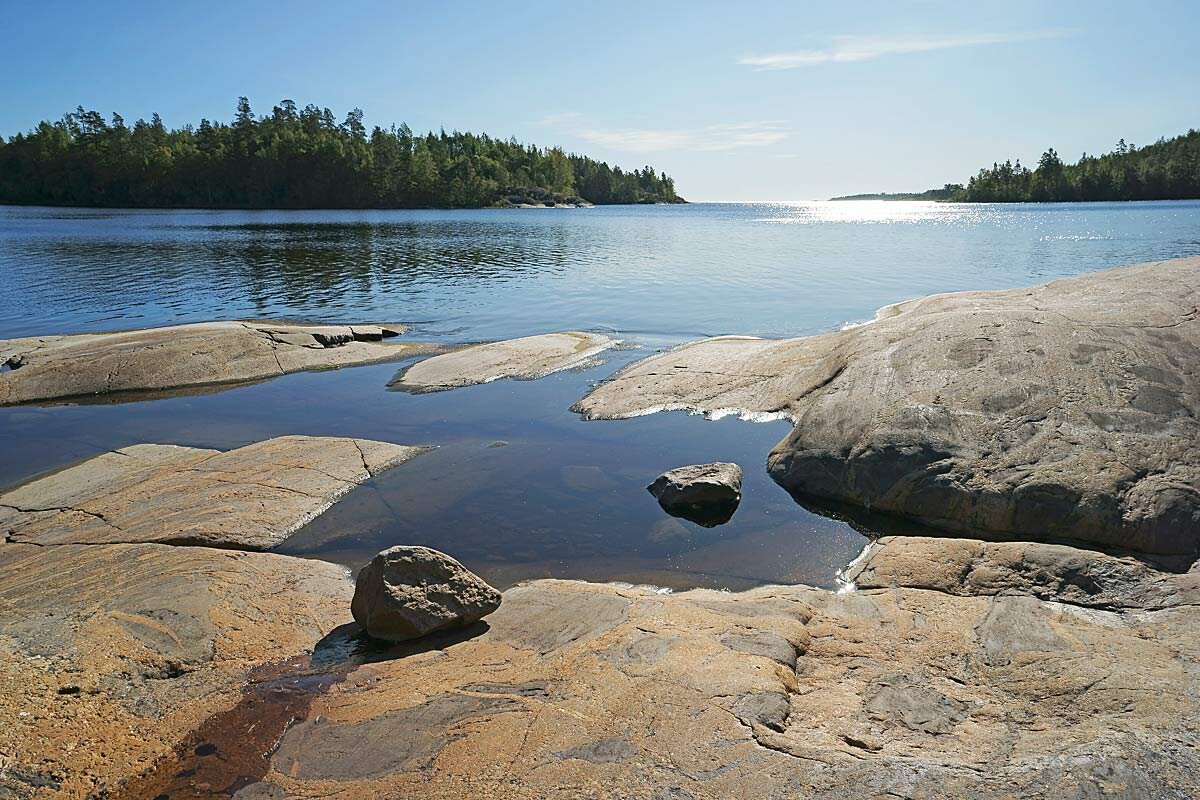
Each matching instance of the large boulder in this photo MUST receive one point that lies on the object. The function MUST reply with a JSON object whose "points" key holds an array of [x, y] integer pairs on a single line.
{"points": [[407, 592], [706, 494], [1069, 410]]}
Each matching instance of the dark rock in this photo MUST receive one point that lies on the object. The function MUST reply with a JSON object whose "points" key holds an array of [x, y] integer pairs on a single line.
{"points": [[764, 708], [402, 739], [706, 494], [407, 592], [763, 643], [908, 701], [612, 750]]}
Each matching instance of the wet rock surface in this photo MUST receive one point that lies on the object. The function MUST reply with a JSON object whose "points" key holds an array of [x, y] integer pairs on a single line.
{"points": [[591, 690], [1063, 411], [924, 684], [111, 653], [47, 368], [527, 358], [251, 498], [707, 494], [958, 668], [408, 592]]}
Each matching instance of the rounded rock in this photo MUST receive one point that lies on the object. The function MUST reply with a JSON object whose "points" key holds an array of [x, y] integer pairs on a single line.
{"points": [[406, 592], [706, 494]]}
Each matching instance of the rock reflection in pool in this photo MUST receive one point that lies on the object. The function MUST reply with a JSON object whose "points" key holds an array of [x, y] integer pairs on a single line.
{"points": [[563, 498], [566, 498]]}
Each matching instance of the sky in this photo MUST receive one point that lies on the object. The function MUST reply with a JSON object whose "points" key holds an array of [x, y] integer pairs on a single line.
{"points": [[736, 100]]}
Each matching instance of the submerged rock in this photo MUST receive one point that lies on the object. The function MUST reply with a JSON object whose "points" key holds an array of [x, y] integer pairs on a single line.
{"points": [[408, 592], [182, 357], [251, 498], [1069, 410], [706, 494], [527, 358]]}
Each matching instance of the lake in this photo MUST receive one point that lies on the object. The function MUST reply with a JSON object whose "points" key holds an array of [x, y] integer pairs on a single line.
{"points": [[520, 487]]}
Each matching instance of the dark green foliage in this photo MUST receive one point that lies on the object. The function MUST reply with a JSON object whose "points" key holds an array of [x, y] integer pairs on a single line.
{"points": [[947, 192], [295, 158], [1169, 169]]}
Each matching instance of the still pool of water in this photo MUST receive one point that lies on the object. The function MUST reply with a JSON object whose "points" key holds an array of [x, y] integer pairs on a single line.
{"points": [[560, 497]]}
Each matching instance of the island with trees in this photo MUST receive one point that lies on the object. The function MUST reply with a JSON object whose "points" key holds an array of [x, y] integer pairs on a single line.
{"points": [[300, 158], [1169, 169]]}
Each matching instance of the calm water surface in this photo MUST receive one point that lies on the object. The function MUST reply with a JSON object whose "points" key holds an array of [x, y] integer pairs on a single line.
{"points": [[561, 497]]}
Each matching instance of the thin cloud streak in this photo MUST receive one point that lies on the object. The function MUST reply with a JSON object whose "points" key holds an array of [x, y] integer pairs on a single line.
{"points": [[709, 139], [847, 49]]}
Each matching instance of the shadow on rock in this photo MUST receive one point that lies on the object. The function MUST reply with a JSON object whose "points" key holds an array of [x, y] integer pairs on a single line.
{"points": [[231, 750], [350, 646]]}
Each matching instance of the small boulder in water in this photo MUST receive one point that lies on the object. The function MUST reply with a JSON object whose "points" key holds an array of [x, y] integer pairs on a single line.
{"points": [[407, 592], [706, 494]]}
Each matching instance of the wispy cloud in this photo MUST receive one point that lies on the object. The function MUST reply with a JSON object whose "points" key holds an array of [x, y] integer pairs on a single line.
{"points": [[866, 48], [711, 138]]}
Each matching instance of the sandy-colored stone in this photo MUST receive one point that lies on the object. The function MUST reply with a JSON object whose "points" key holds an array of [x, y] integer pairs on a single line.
{"points": [[109, 654], [989, 687], [1069, 410], [251, 498], [183, 357], [611, 692], [1049, 571], [527, 358]]}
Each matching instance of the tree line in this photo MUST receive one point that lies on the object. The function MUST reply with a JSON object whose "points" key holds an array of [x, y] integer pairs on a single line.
{"points": [[297, 158], [1169, 169]]}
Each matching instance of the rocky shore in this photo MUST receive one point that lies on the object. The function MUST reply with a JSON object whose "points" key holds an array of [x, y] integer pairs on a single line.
{"points": [[186, 357], [1064, 411], [1048, 649]]}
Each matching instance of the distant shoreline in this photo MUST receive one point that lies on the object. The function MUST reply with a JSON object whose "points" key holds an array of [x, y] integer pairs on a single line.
{"points": [[493, 207]]}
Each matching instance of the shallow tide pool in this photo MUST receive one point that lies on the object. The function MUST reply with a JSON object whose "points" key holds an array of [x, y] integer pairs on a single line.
{"points": [[520, 487]]}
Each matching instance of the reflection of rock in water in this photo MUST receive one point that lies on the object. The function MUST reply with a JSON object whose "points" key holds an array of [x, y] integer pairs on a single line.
{"points": [[1061, 411], [706, 494]]}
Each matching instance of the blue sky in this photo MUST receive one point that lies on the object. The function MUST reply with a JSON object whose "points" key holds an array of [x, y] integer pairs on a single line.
{"points": [[739, 101]]}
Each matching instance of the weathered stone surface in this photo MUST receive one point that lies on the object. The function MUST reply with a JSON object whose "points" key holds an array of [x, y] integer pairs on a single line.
{"points": [[111, 653], [185, 356], [1048, 571], [527, 358], [707, 494], [1069, 410], [920, 693], [996, 688], [407, 592], [251, 498]]}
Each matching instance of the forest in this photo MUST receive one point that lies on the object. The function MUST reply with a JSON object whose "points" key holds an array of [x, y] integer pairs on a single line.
{"points": [[1169, 169], [298, 158]]}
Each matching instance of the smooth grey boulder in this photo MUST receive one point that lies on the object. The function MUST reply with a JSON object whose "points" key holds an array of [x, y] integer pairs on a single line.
{"points": [[407, 592], [706, 494], [1068, 411]]}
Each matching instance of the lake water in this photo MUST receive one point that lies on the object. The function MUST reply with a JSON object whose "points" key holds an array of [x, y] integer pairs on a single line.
{"points": [[562, 497]]}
